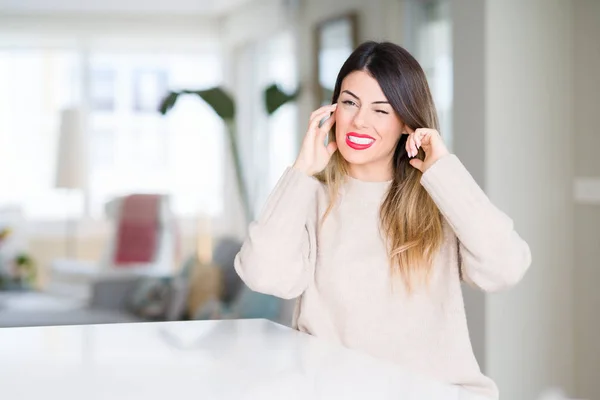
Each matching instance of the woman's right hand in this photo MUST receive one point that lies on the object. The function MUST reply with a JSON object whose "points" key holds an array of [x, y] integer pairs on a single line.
{"points": [[314, 155]]}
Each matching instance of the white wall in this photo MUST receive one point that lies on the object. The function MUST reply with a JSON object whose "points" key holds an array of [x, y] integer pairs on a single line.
{"points": [[523, 101], [586, 65], [254, 21], [513, 129], [468, 142]]}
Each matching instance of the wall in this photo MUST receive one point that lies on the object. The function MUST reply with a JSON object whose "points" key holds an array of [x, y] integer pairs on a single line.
{"points": [[513, 117], [586, 64], [254, 21], [528, 174], [468, 142]]}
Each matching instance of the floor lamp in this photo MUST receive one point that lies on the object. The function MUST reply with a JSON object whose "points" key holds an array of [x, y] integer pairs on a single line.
{"points": [[71, 171]]}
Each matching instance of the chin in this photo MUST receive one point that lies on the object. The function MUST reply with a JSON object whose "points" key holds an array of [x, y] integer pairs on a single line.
{"points": [[355, 157]]}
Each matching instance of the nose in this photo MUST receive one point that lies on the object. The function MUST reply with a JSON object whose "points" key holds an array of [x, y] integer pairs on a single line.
{"points": [[360, 118]]}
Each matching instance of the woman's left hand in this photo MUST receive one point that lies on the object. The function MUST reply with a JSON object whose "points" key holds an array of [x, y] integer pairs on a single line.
{"points": [[432, 144]]}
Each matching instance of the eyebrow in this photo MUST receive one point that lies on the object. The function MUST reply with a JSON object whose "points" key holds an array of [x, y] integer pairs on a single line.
{"points": [[357, 98]]}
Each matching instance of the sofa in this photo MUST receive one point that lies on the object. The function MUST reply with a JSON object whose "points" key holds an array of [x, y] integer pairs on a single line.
{"points": [[197, 291]]}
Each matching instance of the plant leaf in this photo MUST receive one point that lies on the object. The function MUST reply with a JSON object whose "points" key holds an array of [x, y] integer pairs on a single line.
{"points": [[168, 102], [219, 100], [275, 97]]}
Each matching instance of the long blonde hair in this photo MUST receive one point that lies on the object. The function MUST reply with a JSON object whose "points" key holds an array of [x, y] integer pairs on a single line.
{"points": [[409, 219]]}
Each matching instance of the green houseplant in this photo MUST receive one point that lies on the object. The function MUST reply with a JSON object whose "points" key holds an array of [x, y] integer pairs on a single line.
{"points": [[224, 106]]}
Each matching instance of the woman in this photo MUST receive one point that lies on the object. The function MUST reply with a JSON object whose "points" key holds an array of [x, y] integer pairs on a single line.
{"points": [[374, 230]]}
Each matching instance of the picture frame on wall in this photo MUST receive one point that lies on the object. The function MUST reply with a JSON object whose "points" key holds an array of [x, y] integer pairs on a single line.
{"points": [[334, 40]]}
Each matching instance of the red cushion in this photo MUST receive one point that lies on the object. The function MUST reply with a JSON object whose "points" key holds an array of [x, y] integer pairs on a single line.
{"points": [[137, 230]]}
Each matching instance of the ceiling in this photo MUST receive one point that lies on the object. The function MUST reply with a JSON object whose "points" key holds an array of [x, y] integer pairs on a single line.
{"points": [[209, 8]]}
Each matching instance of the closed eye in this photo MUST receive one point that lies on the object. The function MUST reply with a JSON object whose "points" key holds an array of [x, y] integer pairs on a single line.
{"points": [[382, 112]]}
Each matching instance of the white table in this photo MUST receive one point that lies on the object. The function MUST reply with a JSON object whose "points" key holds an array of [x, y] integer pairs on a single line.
{"points": [[221, 360]]}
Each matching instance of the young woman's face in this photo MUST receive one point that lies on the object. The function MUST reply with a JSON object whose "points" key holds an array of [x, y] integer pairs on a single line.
{"points": [[367, 128]]}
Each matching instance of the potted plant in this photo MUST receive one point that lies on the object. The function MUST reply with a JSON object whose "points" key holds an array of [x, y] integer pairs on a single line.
{"points": [[224, 106], [17, 270]]}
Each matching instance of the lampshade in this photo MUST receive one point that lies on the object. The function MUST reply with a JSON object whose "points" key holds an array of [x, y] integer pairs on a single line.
{"points": [[71, 171]]}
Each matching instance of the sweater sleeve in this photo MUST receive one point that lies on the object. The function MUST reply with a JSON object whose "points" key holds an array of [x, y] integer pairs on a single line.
{"points": [[279, 253], [492, 255]]}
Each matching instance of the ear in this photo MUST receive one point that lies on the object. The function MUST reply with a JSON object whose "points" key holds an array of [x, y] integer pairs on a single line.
{"points": [[405, 129]]}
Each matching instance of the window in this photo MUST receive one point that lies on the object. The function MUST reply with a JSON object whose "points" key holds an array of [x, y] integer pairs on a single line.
{"points": [[135, 149], [34, 86], [132, 148]]}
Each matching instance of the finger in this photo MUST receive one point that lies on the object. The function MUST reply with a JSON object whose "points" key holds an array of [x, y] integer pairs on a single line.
{"points": [[415, 146], [410, 146], [418, 164], [417, 138], [322, 137], [321, 110], [407, 145], [425, 135], [427, 139], [414, 149], [326, 127], [314, 123], [318, 117]]}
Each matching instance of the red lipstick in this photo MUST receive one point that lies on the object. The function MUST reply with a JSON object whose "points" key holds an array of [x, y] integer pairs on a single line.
{"points": [[358, 141]]}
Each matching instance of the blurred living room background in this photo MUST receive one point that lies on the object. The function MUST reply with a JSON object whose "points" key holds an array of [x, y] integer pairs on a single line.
{"points": [[139, 138]]}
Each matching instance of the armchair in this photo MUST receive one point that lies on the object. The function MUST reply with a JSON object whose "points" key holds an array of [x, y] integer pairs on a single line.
{"points": [[143, 242]]}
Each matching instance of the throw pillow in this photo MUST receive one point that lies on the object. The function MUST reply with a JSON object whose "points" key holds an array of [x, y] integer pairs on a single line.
{"points": [[205, 283], [150, 298]]}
